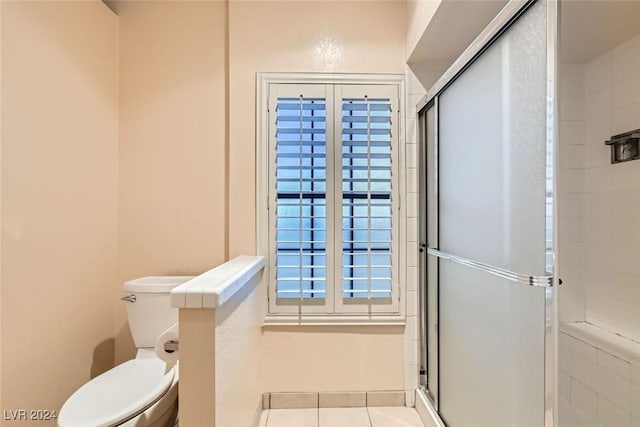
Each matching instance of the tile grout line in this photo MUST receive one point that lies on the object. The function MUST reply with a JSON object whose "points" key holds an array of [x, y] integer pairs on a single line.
{"points": [[369, 416]]}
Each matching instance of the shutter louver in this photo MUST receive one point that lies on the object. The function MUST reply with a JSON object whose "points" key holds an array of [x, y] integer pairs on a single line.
{"points": [[301, 201], [366, 198]]}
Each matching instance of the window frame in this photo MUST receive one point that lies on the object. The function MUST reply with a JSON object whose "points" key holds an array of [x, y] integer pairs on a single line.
{"points": [[334, 311]]}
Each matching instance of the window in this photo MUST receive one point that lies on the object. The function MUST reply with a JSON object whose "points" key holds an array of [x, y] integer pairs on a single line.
{"points": [[331, 167]]}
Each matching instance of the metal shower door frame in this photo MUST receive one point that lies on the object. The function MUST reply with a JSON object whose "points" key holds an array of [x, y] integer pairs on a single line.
{"points": [[507, 16]]}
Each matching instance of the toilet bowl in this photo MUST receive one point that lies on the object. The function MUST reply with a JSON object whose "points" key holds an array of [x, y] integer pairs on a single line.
{"points": [[138, 392]]}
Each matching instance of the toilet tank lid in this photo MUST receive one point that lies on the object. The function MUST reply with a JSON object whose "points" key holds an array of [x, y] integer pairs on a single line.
{"points": [[155, 284]]}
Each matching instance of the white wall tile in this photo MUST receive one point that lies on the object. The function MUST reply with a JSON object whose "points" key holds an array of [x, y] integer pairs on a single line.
{"points": [[624, 119], [571, 230], [614, 364], [572, 132], [412, 205], [598, 129], [598, 179], [614, 388], [623, 319], [572, 156], [572, 254], [585, 350], [412, 155], [572, 108], [411, 352], [597, 308], [635, 372], [411, 328], [572, 80], [412, 278], [626, 287], [625, 61], [412, 229], [598, 205], [610, 415], [573, 180], [584, 370], [412, 180], [625, 92], [598, 73], [411, 132], [564, 358], [635, 400], [598, 103], [412, 254], [625, 203], [584, 399], [570, 205], [412, 303], [565, 386], [412, 101], [625, 176], [411, 379], [625, 260]]}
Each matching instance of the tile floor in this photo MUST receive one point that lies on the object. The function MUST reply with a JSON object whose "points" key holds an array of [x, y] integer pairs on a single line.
{"points": [[398, 416]]}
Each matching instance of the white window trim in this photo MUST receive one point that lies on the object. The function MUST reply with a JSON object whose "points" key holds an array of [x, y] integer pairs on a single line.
{"points": [[263, 80]]}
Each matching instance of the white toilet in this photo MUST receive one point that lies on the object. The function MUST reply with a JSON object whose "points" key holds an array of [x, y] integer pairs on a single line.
{"points": [[136, 393]]}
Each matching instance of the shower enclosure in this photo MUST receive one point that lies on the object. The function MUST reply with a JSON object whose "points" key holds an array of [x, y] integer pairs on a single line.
{"points": [[488, 271]]}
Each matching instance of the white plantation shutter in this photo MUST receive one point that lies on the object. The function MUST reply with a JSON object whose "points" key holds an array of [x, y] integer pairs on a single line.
{"points": [[367, 116], [366, 198], [301, 210], [332, 203]]}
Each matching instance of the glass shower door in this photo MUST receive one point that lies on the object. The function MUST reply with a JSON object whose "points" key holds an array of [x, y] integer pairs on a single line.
{"points": [[489, 139]]}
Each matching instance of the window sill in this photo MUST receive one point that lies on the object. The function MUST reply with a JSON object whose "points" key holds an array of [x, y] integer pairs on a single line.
{"points": [[335, 320]]}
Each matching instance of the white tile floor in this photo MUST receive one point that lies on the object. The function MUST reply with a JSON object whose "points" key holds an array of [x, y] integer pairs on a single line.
{"points": [[341, 417]]}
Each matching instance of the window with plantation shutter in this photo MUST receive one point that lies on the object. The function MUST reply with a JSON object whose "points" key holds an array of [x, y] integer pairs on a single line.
{"points": [[366, 198], [301, 198], [333, 199]]}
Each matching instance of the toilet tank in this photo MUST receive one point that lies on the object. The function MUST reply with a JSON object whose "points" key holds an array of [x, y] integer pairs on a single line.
{"points": [[149, 308]]}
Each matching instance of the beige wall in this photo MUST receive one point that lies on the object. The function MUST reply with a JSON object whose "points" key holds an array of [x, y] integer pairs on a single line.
{"points": [[238, 356], [99, 204], [59, 195], [1, 133], [222, 346], [315, 36], [172, 142], [333, 358]]}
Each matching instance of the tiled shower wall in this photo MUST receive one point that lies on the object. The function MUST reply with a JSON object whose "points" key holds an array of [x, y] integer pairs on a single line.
{"points": [[571, 192], [604, 384], [599, 208], [599, 204], [416, 85], [415, 91], [611, 229]]}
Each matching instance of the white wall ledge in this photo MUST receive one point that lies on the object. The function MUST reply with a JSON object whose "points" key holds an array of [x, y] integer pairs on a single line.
{"points": [[212, 289], [622, 347]]}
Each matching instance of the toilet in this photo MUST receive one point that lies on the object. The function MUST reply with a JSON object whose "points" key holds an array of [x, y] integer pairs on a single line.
{"points": [[136, 393]]}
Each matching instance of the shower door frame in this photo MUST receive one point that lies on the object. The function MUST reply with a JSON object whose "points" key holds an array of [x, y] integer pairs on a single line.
{"points": [[507, 17]]}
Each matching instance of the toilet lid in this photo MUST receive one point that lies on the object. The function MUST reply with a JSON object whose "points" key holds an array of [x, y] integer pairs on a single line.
{"points": [[117, 395]]}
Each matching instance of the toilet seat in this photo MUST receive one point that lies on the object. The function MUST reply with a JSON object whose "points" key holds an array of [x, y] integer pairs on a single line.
{"points": [[117, 395]]}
